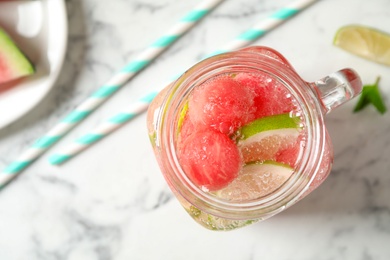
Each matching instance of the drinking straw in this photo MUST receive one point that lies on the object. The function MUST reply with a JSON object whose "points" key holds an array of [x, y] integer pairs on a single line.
{"points": [[108, 89], [142, 104]]}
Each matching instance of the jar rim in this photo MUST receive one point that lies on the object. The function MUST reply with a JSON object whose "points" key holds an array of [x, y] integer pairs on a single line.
{"points": [[293, 188]]}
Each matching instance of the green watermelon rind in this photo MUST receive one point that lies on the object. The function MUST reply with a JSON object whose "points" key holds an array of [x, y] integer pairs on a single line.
{"points": [[14, 57]]}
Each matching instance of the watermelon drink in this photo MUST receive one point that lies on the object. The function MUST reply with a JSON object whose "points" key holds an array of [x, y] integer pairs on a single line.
{"points": [[240, 136]]}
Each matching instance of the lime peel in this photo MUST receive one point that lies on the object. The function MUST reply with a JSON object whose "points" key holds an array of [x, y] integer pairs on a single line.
{"points": [[275, 122], [366, 42], [182, 115]]}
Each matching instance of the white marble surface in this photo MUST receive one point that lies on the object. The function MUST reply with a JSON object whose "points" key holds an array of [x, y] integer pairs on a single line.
{"points": [[111, 202]]}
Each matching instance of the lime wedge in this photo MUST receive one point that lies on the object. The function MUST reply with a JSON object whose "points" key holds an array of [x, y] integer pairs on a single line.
{"points": [[365, 42], [266, 138], [256, 180]]}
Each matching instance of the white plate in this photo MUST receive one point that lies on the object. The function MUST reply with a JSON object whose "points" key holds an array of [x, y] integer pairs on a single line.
{"points": [[40, 29]]}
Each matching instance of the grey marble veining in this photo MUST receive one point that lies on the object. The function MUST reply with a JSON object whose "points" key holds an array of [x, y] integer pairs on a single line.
{"points": [[112, 203]]}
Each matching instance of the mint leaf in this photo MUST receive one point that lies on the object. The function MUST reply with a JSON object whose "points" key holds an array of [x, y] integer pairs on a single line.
{"points": [[363, 100], [376, 100], [371, 95]]}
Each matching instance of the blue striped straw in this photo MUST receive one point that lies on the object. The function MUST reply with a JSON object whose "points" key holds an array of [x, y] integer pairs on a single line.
{"points": [[142, 104], [107, 90]]}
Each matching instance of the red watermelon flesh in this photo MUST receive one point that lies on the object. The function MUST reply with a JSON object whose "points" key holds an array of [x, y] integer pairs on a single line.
{"points": [[216, 110], [13, 63], [210, 159], [291, 154], [270, 96], [222, 104]]}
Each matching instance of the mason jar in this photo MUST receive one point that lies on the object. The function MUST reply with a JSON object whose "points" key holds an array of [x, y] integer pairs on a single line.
{"points": [[312, 101]]}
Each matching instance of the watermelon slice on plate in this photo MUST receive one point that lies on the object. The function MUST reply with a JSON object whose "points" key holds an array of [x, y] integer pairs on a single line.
{"points": [[13, 63], [40, 30]]}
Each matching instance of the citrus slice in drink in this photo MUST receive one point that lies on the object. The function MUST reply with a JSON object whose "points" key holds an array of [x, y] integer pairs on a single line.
{"points": [[269, 137], [255, 181], [365, 42]]}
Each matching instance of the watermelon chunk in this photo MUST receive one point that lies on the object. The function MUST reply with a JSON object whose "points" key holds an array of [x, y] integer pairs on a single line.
{"points": [[222, 103], [210, 159], [214, 138], [271, 97], [13, 63]]}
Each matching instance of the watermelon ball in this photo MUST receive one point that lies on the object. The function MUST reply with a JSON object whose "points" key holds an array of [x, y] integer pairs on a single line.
{"points": [[210, 159], [222, 104], [271, 97]]}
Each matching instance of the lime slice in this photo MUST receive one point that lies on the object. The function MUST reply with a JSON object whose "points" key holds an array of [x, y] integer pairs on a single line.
{"points": [[265, 138], [281, 121], [256, 180], [365, 42]]}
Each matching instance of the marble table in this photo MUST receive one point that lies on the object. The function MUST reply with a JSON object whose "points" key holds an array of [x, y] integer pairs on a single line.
{"points": [[111, 202]]}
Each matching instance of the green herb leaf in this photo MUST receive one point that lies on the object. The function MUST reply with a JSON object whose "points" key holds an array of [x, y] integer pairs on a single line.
{"points": [[371, 95]]}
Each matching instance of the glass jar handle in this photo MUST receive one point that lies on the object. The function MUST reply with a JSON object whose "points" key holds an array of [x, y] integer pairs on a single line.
{"points": [[337, 88]]}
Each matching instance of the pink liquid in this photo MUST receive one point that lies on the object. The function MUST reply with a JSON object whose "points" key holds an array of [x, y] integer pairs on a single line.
{"points": [[218, 153], [210, 149]]}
